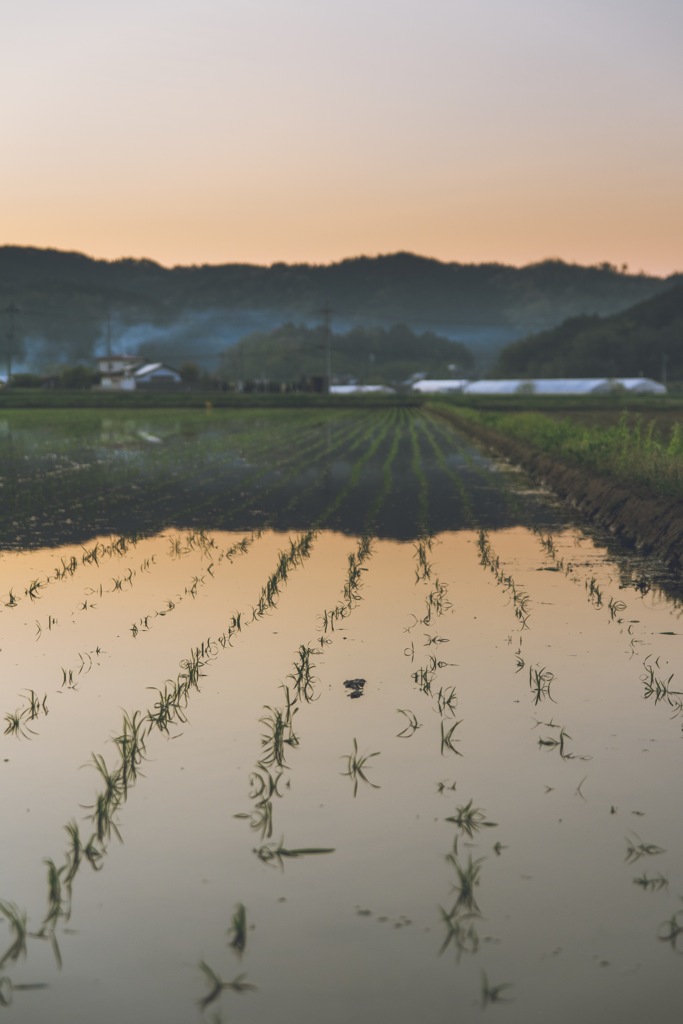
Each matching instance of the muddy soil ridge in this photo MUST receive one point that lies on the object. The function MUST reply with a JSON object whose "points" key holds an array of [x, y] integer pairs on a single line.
{"points": [[654, 525]]}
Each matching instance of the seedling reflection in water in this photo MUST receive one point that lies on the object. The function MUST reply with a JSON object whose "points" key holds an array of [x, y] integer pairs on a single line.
{"points": [[18, 925], [540, 679], [269, 853], [672, 930], [412, 726], [217, 985], [468, 880], [447, 739], [461, 932], [357, 765], [238, 929], [652, 884], [492, 993], [636, 850], [470, 819]]}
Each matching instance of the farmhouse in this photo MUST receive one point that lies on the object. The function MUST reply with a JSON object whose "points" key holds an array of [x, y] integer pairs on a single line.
{"points": [[126, 373]]}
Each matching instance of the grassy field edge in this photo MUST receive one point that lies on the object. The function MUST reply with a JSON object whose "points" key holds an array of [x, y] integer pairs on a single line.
{"points": [[650, 521]]}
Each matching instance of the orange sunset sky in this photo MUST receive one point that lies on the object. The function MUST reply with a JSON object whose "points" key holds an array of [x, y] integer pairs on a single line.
{"points": [[211, 131]]}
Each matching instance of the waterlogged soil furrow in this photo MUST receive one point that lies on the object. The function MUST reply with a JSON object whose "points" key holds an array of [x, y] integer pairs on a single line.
{"points": [[460, 513], [337, 467], [488, 488], [420, 479], [353, 474], [293, 457]]}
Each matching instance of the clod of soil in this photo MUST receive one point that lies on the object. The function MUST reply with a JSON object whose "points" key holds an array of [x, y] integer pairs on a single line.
{"points": [[355, 687]]}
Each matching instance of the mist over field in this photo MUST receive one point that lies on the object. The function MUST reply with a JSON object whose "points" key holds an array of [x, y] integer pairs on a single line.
{"points": [[70, 308]]}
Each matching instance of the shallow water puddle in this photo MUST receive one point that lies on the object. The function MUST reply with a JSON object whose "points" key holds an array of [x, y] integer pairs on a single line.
{"points": [[483, 826]]}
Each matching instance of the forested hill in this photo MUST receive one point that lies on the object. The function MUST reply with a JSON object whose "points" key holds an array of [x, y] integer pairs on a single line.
{"points": [[647, 339], [67, 298]]}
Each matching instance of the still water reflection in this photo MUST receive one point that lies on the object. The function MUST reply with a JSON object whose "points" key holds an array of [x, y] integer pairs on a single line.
{"points": [[204, 821]]}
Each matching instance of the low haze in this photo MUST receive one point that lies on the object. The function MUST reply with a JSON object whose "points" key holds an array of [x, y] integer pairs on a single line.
{"points": [[214, 131]]}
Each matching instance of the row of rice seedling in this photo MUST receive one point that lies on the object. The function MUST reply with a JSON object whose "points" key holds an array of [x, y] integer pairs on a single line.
{"points": [[131, 752], [169, 707]]}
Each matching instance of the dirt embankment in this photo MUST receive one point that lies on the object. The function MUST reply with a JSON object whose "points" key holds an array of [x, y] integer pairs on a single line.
{"points": [[653, 525]]}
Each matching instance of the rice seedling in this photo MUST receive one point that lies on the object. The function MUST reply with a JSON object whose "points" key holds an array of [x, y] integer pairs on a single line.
{"points": [[6, 991], [357, 765], [435, 639], [166, 710], [261, 819], [85, 663], [17, 922], [33, 590], [446, 700], [131, 747], [55, 908], [93, 851], [636, 848], [279, 732], [423, 569], [654, 884], [34, 706], [461, 932], [302, 674], [412, 724], [12, 600], [91, 555], [237, 934], [467, 881], [670, 931], [540, 680], [490, 560], [264, 785], [437, 602], [217, 985], [492, 993], [103, 818], [656, 687], [269, 853], [16, 725], [595, 594], [551, 742], [68, 679], [470, 819], [447, 737]]}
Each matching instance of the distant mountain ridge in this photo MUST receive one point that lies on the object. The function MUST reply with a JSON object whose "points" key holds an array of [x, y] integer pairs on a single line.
{"points": [[645, 339], [67, 300]]}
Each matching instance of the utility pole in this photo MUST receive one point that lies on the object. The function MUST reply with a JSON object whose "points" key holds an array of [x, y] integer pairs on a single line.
{"points": [[109, 356], [11, 311], [326, 313]]}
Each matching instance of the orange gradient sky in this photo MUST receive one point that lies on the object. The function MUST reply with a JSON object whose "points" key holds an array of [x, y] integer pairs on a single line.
{"points": [[209, 131]]}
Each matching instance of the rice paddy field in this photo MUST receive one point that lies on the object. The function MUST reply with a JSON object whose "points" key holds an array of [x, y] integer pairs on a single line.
{"points": [[326, 716]]}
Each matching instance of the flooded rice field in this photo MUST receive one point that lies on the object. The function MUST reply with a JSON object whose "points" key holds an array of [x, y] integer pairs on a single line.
{"points": [[321, 718]]}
